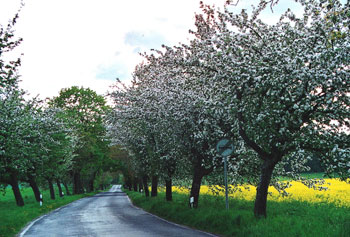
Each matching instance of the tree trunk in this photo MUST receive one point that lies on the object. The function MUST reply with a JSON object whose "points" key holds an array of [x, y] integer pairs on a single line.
{"points": [[77, 185], [60, 193], [66, 187], [140, 185], [154, 191], [86, 186], [16, 191], [91, 185], [52, 191], [145, 185], [168, 190], [262, 189], [34, 187], [196, 186], [199, 173], [91, 182], [134, 184], [128, 183]]}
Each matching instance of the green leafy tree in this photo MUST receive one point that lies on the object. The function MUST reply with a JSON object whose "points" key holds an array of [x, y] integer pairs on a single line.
{"points": [[84, 110]]}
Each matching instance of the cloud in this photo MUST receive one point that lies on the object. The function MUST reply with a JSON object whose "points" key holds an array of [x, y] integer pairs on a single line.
{"points": [[112, 72], [90, 43], [150, 40]]}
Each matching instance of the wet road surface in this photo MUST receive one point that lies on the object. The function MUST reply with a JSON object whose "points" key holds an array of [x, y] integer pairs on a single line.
{"points": [[105, 214]]}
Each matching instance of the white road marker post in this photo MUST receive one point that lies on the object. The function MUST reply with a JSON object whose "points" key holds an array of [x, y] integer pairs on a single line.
{"points": [[41, 199], [191, 202]]}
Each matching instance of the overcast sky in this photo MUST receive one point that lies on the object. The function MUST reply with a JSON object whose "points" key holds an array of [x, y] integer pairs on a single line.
{"points": [[92, 42]]}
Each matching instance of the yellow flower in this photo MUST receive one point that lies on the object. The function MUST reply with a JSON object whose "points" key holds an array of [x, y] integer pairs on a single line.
{"points": [[338, 193]]}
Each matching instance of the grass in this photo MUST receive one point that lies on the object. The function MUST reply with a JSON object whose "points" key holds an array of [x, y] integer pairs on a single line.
{"points": [[306, 175], [289, 218], [14, 218], [317, 175]]}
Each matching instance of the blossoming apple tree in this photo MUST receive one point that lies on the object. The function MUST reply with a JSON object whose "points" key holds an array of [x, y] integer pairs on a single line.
{"points": [[288, 83], [26, 128], [281, 90]]}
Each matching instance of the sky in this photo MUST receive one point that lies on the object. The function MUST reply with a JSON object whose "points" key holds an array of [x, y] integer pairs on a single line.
{"points": [[90, 43]]}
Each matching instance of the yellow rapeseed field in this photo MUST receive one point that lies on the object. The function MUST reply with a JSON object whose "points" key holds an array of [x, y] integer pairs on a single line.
{"points": [[338, 193]]}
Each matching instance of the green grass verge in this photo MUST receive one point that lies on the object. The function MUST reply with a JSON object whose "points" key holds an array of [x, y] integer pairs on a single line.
{"points": [[14, 218], [305, 175], [284, 218]]}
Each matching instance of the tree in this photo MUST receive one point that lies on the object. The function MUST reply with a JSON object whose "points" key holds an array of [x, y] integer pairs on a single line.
{"points": [[84, 110], [28, 140], [10, 98], [279, 90], [11, 110], [288, 83], [163, 112], [136, 122], [57, 155], [8, 70]]}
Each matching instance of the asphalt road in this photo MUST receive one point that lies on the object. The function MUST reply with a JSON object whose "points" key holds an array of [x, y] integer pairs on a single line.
{"points": [[105, 214]]}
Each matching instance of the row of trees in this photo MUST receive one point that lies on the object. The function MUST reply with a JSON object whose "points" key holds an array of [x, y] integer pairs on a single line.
{"points": [[61, 140], [279, 91]]}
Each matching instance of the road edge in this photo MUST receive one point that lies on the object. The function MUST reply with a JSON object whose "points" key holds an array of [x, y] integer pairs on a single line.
{"points": [[170, 222], [30, 224], [23, 231]]}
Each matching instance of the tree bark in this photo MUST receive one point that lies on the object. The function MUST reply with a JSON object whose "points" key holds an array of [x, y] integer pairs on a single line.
{"points": [[145, 185], [52, 191], [16, 191], [77, 184], [66, 187], [154, 191], [134, 184], [90, 186], [91, 182], [60, 193], [128, 183], [196, 186], [34, 187], [140, 185], [168, 190], [262, 189], [199, 173]]}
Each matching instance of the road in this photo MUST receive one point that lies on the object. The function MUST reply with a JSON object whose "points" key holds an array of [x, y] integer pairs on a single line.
{"points": [[105, 214]]}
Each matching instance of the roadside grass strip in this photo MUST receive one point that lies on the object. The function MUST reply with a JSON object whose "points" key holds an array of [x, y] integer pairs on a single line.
{"points": [[305, 212]]}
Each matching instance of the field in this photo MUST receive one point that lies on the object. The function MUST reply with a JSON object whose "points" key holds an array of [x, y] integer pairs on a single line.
{"points": [[14, 218], [305, 212], [337, 193]]}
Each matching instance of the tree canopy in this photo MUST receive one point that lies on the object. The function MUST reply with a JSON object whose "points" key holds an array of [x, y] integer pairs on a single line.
{"points": [[279, 91], [83, 109]]}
